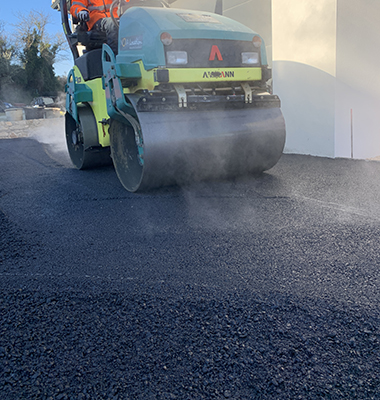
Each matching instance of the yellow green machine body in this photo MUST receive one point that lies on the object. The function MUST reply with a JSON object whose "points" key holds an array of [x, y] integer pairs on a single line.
{"points": [[184, 99]]}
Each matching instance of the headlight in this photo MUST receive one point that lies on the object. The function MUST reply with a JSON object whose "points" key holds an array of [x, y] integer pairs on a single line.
{"points": [[257, 41], [166, 38], [250, 58], [176, 57]]}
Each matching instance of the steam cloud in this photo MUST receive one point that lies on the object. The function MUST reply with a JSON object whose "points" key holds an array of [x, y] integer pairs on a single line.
{"points": [[52, 134]]}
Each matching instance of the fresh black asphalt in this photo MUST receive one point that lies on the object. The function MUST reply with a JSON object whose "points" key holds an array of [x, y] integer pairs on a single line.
{"points": [[259, 288]]}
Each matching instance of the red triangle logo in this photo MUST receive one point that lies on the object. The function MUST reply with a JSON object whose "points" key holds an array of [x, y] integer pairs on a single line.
{"points": [[215, 52]]}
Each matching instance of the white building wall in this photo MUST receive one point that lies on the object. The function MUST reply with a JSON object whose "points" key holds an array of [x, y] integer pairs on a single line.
{"points": [[304, 64], [358, 82], [325, 61]]}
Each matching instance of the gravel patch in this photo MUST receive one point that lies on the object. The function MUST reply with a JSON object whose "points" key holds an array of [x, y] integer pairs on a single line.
{"points": [[147, 344], [13, 246]]}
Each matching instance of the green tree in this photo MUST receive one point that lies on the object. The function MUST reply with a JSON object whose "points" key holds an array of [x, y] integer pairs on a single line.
{"points": [[6, 53], [38, 53]]}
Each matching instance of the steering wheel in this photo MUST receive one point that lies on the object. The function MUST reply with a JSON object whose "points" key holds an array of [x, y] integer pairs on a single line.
{"points": [[113, 5]]}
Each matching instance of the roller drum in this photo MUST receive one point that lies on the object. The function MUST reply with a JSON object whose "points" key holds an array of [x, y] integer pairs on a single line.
{"points": [[185, 146]]}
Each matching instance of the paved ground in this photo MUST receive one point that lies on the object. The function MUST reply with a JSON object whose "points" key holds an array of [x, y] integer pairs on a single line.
{"points": [[258, 288]]}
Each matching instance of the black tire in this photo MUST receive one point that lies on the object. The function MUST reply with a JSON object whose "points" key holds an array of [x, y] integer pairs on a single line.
{"points": [[82, 141]]}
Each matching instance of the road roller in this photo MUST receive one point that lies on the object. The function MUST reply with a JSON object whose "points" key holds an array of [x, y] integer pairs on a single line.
{"points": [[185, 98]]}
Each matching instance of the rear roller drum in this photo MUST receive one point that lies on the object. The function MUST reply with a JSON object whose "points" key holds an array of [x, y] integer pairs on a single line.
{"points": [[82, 141]]}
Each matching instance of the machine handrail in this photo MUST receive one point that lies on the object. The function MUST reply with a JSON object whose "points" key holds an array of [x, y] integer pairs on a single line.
{"points": [[67, 29]]}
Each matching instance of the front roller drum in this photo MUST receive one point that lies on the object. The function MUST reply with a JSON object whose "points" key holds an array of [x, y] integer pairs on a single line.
{"points": [[180, 147]]}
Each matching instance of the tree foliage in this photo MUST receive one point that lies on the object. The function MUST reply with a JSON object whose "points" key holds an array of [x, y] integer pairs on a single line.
{"points": [[30, 69], [6, 52]]}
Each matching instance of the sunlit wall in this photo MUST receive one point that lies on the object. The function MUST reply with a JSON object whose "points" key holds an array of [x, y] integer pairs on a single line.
{"points": [[304, 64], [325, 60], [357, 79]]}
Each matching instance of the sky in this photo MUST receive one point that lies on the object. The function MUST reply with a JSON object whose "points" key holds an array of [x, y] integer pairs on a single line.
{"points": [[9, 11]]}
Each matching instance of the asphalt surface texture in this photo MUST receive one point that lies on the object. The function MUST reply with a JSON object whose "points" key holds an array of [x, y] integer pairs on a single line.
{"points": [[256, 288]]}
